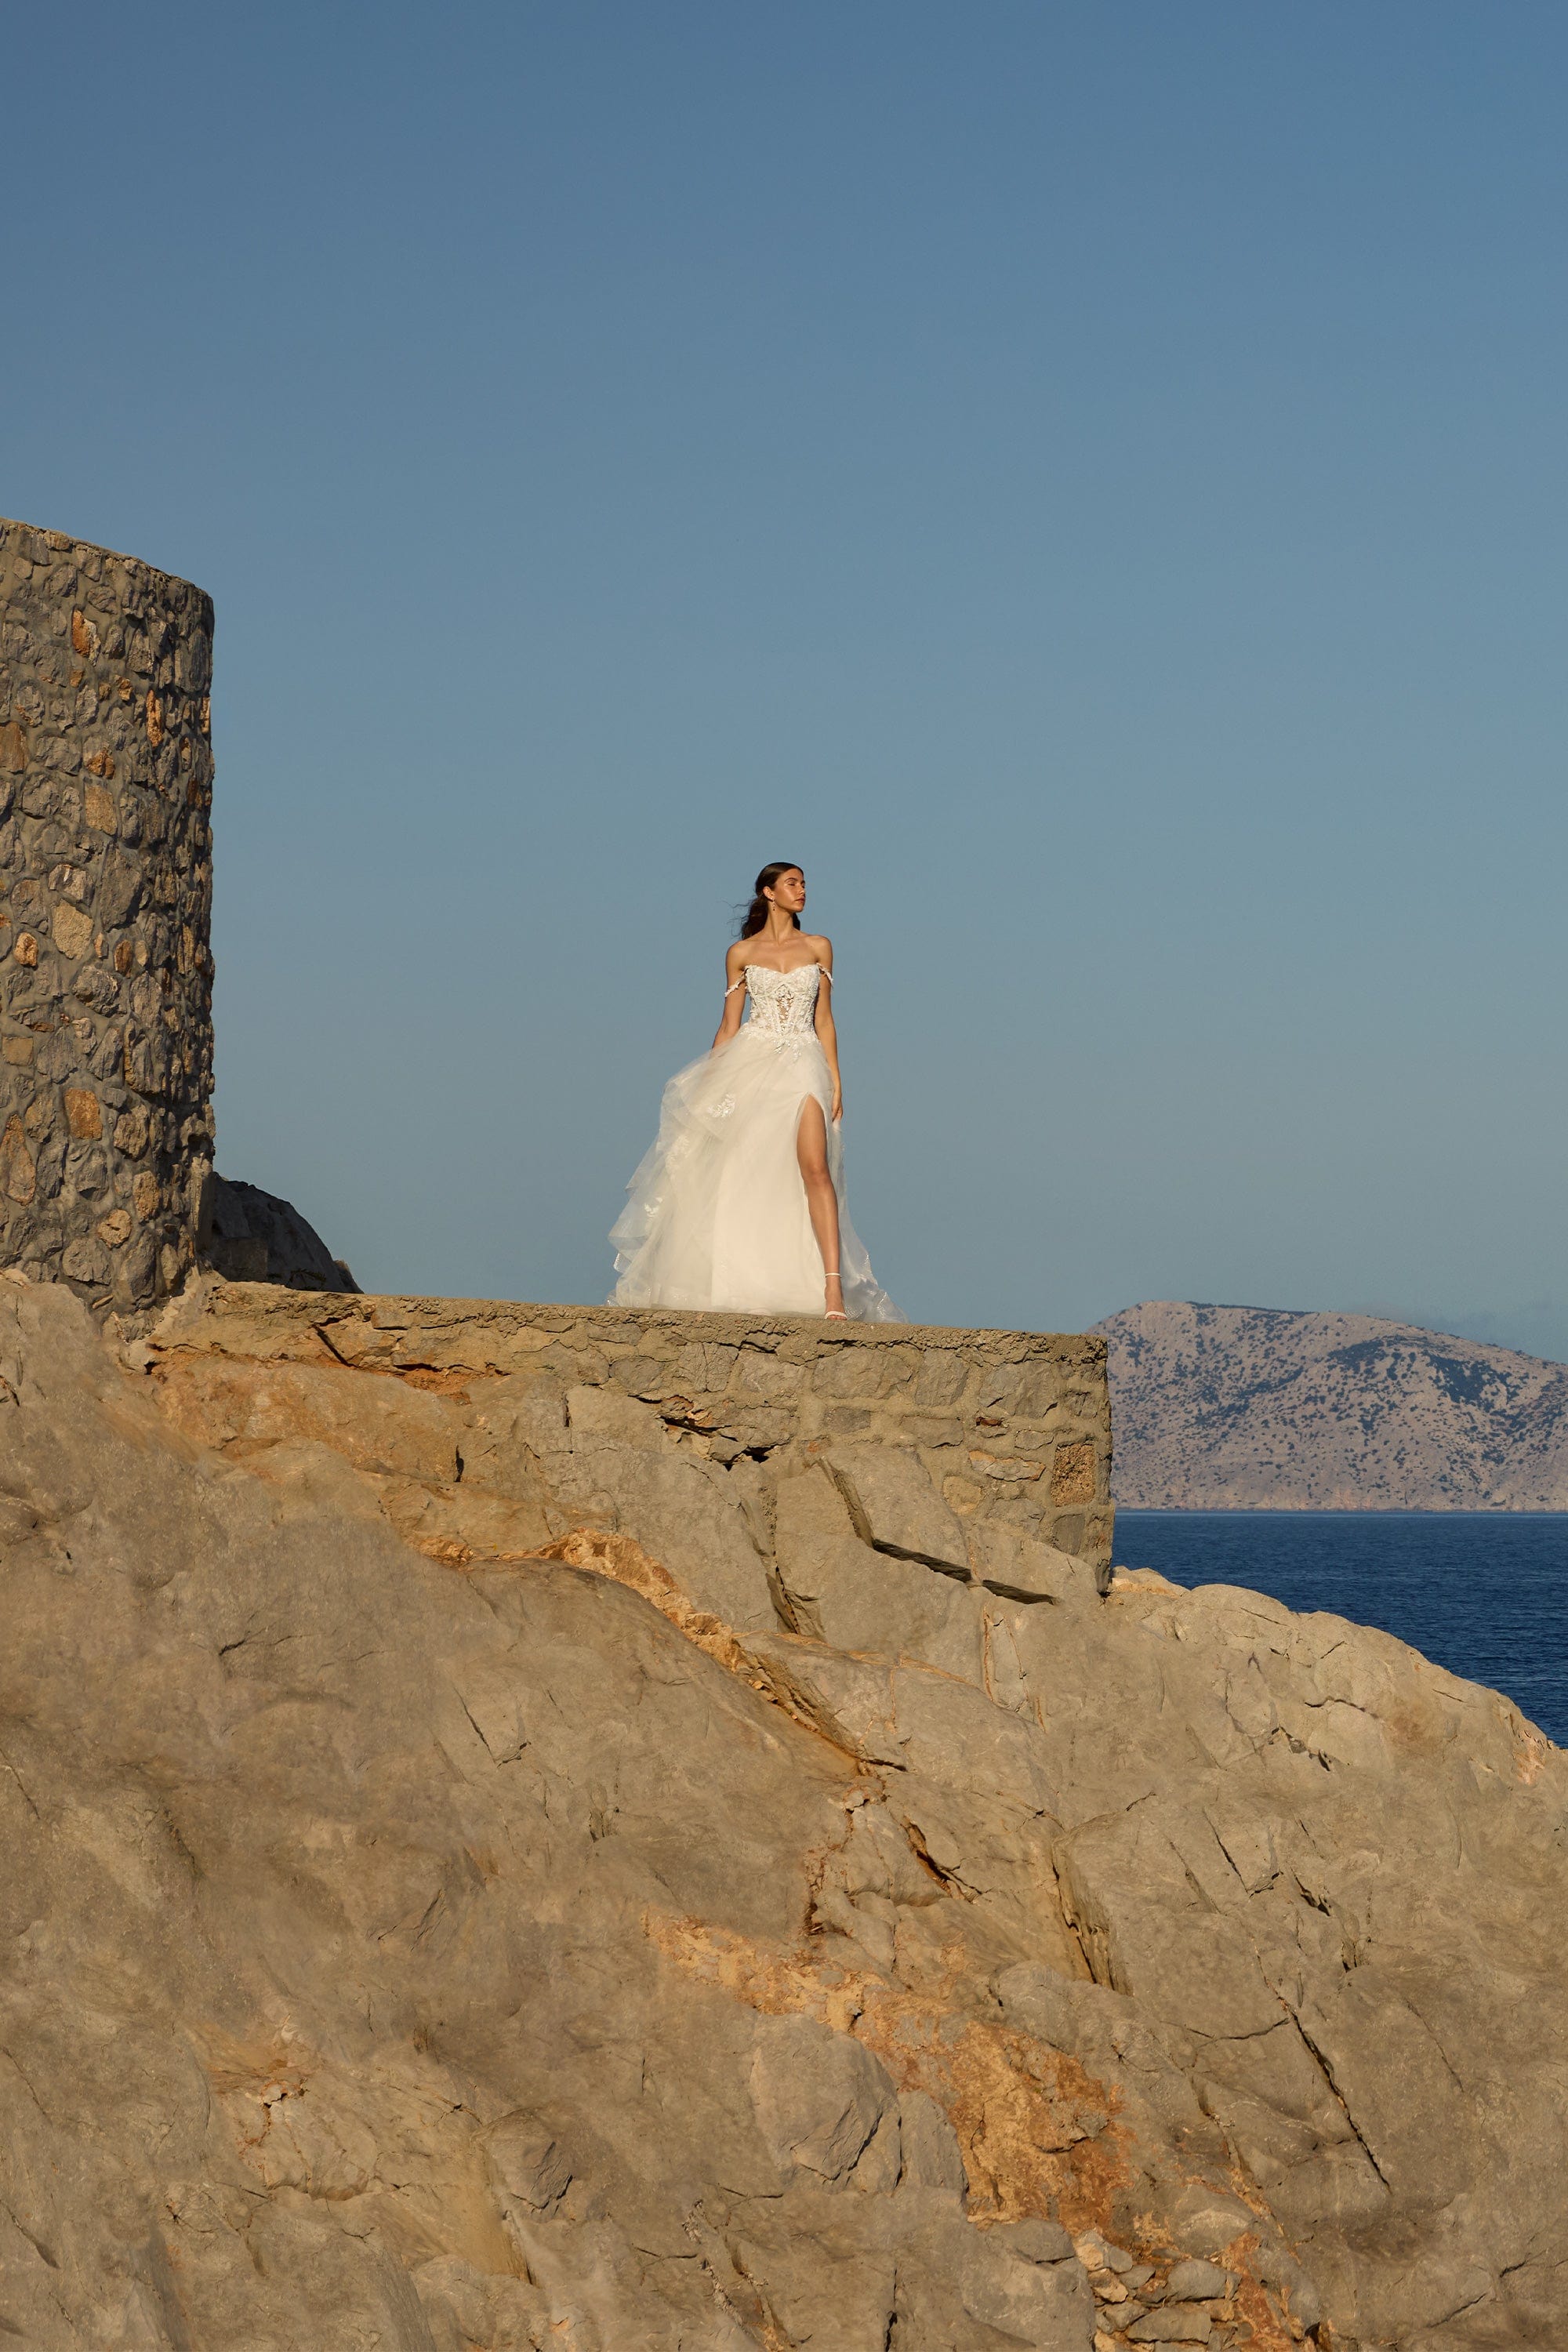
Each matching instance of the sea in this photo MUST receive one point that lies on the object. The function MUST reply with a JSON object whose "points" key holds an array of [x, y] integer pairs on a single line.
{"points": [[1483, 1593]]}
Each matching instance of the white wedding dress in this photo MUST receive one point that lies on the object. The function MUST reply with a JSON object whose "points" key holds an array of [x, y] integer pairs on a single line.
{"points": [[717, 1214]]}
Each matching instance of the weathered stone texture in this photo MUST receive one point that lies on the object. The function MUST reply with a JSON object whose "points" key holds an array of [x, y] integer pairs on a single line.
{"points": [[484, 1872], [954, 1448], [106, 872]]}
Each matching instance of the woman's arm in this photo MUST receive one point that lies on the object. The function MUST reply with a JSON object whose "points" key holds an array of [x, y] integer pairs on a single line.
{"points": [[827, 1029], [735, 994]]}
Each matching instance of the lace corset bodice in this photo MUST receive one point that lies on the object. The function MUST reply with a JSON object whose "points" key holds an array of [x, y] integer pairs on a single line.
{"points": [[783, 1003], [719, 1217]]}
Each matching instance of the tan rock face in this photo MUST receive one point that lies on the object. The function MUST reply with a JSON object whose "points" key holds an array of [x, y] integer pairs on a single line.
{"points": [[751, 1389], [457, 1895]]}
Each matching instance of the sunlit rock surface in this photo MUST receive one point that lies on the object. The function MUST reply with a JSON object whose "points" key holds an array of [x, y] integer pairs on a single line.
{"points": [[495, 1862]]}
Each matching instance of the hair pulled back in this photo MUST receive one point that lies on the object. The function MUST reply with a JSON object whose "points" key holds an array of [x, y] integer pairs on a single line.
{"points": [[756, 914]]}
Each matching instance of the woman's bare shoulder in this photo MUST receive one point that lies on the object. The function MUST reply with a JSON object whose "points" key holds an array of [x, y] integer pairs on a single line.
{"points": [[820, 945], [734, 956]]}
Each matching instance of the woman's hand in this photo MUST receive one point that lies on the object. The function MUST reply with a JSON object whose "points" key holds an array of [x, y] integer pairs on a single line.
{"points": [[837, 1102]]}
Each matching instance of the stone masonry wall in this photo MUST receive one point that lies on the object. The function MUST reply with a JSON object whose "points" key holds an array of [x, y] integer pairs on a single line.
{"points": [[105, 900], [1012, 1428]]}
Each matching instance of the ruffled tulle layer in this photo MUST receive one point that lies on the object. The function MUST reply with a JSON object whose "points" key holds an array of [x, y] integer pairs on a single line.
{"points": [[716, 1216]]}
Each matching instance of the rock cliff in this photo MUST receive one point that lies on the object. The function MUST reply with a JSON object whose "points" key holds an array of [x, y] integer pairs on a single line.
{"points": [[499, 1859], [1250, 1407]]}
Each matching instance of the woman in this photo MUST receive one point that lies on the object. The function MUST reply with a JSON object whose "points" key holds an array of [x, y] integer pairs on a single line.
{"points": [[740, 1202]]}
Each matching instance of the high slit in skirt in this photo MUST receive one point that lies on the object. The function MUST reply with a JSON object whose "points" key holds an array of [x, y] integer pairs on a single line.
{"points": [[716, 1216]]}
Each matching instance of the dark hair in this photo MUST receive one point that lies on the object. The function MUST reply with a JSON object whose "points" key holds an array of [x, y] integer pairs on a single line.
{"points": [[757, 912]]}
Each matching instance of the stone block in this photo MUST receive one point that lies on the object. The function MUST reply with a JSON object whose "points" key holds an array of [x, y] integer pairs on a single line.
{"points": [[1010, 1468], [894, 1506], [768, 1377], [72, 930], [928, 1430], [844, 1372], [1039, 1393], [1066, 1530], [85, 1263], [898, 1370], [131, 1131], [1016, 1566], [18, 1169], [944, 1376], [847, 1421], [1073, 1478], [701, 1369], [998, 1388]]}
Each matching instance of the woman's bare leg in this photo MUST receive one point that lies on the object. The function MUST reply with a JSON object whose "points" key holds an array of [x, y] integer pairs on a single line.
{"points": [[821, 1200]]}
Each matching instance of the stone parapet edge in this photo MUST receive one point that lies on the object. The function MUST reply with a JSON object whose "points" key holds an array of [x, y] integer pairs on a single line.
{"points": [[1017, 1432], [393, 1310]]}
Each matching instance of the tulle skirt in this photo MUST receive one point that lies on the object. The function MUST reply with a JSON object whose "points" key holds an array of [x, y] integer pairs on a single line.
{"points": [[716, 1215]]}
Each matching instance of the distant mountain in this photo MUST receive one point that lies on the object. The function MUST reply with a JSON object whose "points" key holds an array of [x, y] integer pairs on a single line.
{"points": [[1253, 1408]]}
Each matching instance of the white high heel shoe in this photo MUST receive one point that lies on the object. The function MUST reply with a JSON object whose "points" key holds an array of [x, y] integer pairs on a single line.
{"points": [[833, 1314]]}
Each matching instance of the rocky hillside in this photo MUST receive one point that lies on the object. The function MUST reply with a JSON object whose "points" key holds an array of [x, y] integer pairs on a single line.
{"points": [[1250, 1407], [488, 1865]]}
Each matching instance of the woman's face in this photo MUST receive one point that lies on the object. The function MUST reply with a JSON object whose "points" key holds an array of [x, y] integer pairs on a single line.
{"points": [[788, 893]]}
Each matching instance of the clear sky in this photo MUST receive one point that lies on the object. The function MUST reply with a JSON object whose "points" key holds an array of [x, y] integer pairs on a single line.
{"points": [[1088, 481]]}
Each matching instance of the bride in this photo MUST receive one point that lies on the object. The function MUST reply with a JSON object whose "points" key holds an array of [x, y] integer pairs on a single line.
{"points": [[740, 1200]]}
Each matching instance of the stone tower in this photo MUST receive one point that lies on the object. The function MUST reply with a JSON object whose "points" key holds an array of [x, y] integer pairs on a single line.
{"points": [[106, 1031]]}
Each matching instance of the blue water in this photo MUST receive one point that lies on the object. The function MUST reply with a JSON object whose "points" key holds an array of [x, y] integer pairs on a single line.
{"points": [[1483, 1593]]}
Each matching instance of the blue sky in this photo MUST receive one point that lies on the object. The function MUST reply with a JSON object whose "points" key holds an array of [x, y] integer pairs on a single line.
{"points": [[1088, 482]]}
